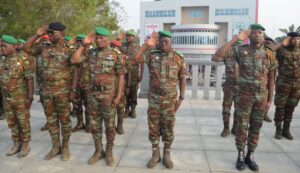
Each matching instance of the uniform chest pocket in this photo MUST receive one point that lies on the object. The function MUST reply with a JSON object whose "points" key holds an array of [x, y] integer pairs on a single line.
{"points": [[172, 70], [61, 58], [107, 65]]}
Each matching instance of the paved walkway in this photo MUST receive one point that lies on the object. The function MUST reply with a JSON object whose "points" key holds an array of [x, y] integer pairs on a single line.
{"points": [[198, 146]]}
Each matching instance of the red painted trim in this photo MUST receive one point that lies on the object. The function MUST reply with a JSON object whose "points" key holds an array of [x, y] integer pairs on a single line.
{"points": [[256, 13]]}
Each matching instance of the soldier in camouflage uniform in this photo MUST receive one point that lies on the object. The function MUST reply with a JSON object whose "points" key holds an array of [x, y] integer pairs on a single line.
{"points": [[106, 71], [129, 48], [167, 68], [16, 81], [56, 77], [127, 73], [287, 85], [80, 89], [2, 115], [230, 89], [257, 65]]}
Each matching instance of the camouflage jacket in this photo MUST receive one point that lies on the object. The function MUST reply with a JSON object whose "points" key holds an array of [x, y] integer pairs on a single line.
{"points": [[14, 71], [231, 69], [165, 70], [289, 63], [54, 66], [130, 50], [254, 66], [104, 67]]}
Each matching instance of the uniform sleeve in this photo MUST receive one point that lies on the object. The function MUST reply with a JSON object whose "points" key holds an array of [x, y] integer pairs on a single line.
{"points": [[36, 50], [29, 67], [232, 53], [182, 69], [146, 57], [119, 64], [273, 60]]}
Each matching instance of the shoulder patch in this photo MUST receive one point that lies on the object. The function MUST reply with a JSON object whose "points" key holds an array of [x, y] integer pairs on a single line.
{"points": [[179, 54], [117, 51]]}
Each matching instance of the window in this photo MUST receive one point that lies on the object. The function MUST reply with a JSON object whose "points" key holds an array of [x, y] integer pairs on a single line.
{"points": [[160, 13], [232, 12], [195, 14]]}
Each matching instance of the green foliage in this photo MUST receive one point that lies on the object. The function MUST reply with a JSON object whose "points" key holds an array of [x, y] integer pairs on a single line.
{"points": [[21, 18]]}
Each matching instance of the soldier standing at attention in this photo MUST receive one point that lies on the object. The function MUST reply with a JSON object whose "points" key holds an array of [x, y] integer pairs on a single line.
{"points": [[167, 68], [56, 77], [127, 74], [16, 81], [257, 65], [80, 91], [230, 89], [287, 85], [129, 48], [106, 70]]}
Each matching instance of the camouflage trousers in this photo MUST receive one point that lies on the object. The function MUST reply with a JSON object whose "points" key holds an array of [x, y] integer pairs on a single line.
{"points": [[100, 110], [230, 94], [161, 118], [80, 101], [57, 110], [17, 116], [250, 113], [121, 107], [132, 96], [286, 99]]}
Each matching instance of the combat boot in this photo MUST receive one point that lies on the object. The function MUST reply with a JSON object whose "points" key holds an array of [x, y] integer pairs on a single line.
{"points": [[119, 128], [132, 112], [109, 155], [240, 162], [167, 158], [278, 133], [98, 154], [55, 150], [226, 130], [65, 151], [267, 118], [45, 127], [15, 149], [249, 160], [155, 157], [25, 149], [286, 131], [79, 125]]}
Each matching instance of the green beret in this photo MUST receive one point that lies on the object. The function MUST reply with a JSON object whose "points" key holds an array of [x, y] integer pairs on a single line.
{"points": [[131, 32], [80, 36], [164, 34], [257, 26], [21, 41], [102, 31], [9, 39], [68, 38]]}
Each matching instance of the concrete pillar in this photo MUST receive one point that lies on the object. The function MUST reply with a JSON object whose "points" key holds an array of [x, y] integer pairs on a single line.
{"points": [[195, 81], [207, 71], [144, 85], [219, 75]]}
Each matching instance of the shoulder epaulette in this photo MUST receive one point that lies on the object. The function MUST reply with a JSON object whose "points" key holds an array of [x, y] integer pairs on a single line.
{"points": [[270, 48], [179, 54], [117, 51]]}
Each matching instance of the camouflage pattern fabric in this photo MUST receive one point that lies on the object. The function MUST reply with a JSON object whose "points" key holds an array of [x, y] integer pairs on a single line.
{"points": [[165, 69], [287, 84], [104, 67], [254, 67], [55, 81], [14, 71], [130, 50]]}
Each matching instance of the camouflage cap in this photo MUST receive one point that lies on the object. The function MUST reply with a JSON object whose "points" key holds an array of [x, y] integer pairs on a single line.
{"points": [[257, 26], [21, 41], [102, 31], [80, 36], [9, 39], [164, 34], [131, 32]]}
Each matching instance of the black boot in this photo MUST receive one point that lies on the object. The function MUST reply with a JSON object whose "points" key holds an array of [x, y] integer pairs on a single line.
{"points": [[278, 133], [249, 160], [286, 131], [240, 162]]}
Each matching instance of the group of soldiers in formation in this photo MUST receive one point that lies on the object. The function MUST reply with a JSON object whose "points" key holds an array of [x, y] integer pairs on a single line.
{"points": [[104, 80]]}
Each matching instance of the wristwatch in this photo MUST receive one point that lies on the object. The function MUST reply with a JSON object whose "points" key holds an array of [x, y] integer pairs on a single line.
{"points": [[181, 97]]}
